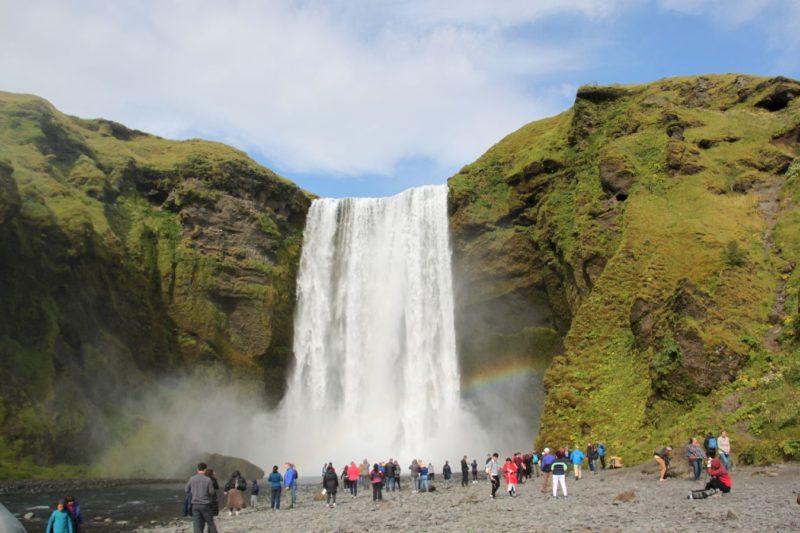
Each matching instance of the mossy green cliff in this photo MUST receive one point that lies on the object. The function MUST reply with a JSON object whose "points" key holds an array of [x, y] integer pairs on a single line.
{"points": [[125, 257], [656, 227]]}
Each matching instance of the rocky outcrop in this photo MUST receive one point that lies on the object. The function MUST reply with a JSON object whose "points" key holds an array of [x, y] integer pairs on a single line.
{"points": [[125, 259], [613, 222]]}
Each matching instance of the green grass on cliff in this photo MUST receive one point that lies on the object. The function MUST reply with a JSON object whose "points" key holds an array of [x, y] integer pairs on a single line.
{"points": [[705, 172], [127, 257]]}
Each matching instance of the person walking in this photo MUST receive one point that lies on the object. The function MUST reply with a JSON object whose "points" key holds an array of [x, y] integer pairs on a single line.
{"points": [[464, 472], [330, 484], [376, 479], [254, 490], [576, 458], [695, 455], [447, 472], [547, 462], [275, 480], [431, 473], [60, 521], [510, 471], [290, 482], [591, 455], [559, 470], [397, 474], [493, 471], [601, 454], [475, 469], [724, 447], [202, 490], [352, 477], [662, 457]]}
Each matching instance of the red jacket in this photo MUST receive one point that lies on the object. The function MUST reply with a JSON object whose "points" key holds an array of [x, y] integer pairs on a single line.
{"points": [[717, 470], [510, 470], [352, 472]]}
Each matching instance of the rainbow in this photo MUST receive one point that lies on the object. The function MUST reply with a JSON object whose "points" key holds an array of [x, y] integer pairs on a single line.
{"points": [[495, 376]]}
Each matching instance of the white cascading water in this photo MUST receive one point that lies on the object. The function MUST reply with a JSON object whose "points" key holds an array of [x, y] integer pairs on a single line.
{"points": [[376, 371]]}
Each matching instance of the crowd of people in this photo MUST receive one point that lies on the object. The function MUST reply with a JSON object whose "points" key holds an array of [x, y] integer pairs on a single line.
{"points": [[713, 458]]}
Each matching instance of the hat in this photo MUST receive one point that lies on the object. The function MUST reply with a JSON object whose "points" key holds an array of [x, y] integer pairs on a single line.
{"points": [[546, 450]]}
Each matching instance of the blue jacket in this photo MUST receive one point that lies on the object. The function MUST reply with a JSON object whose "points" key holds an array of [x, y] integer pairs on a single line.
{"points": [[290, 477], [60, 522], [547, 461], [601, 450], [275, 479], [576, 457]]}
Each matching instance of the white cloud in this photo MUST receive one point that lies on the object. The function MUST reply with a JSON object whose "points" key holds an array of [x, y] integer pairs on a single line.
{"points": [[341, 87]]}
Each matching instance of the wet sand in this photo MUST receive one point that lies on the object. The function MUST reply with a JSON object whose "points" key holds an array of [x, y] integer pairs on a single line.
{"points": [[763, 499]]}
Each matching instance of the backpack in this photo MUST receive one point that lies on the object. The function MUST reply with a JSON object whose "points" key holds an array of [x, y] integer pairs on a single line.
{"points": [[241, 484], [712, 443]]}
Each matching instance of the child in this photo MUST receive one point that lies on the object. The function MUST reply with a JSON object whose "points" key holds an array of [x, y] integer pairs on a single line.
{"points": [[254, 489], [60, 521], [510, 470]]}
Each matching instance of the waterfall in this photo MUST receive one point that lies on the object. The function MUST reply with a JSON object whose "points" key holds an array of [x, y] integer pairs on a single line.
{"points": [[376, 371]]}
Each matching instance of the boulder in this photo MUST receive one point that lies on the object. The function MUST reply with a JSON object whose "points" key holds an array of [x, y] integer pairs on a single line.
{"points": [[616, 176]]}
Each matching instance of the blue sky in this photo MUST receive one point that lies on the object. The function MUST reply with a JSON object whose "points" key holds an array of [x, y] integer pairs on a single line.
{"points": [[368, 98]]}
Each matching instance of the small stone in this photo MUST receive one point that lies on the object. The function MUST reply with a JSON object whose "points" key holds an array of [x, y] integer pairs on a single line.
{"points": [[626, 496], [122, 522], [107, 520], [28, 516], [731, 515]]}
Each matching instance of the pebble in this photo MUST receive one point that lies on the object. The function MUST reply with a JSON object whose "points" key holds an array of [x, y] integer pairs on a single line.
{"points": [[29, 516]]}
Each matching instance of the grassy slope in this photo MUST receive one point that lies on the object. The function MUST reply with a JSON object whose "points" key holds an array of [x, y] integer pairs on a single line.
{"points": [[121, 261], [636, 393]]}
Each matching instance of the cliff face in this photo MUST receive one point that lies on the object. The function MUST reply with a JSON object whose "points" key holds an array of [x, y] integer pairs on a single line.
{"points": [[656, 228], [123, 257]]}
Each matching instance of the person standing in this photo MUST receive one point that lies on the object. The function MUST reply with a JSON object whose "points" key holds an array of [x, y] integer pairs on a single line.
{"points": [[559, 469], [414, 467], [290, 482], [520, 464], [376, 479], [695, 455], [535, 463], [423, 478], [74, 510], [710, 444], [475, 469], [202, 490], [234, 490], [330, 482], [591, 455], [493, 471], [389, 474], [363, 473], [724, 446], [254, 490], [511, 473], [214, 483], [601, 454], [60, 521], [275, 480], [547, 474], [662, 458], [447, 472], [576, 458], [431, 474], [397, 474], [464, 472], [352, 477]]}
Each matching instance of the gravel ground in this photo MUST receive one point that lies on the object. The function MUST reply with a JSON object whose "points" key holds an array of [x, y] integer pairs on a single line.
{"points": [[763, 499]]}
